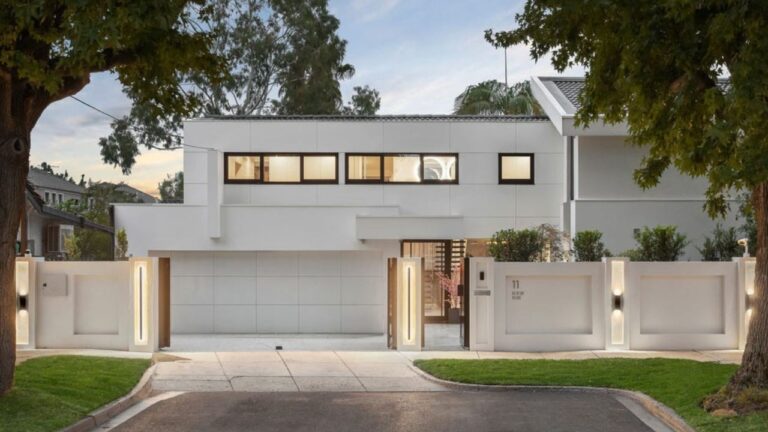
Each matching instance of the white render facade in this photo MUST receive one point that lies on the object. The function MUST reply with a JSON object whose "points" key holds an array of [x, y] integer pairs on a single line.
{"points": [[311, 258]]}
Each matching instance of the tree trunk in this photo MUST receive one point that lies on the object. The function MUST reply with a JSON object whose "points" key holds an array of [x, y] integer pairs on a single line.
{"points": [[754, 366], [14, 165]]}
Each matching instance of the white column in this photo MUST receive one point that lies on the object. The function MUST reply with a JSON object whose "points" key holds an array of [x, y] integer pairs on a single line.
{"points": [[482, 293], [617, 322], [215, 191], [746, 293], [26, 316]]}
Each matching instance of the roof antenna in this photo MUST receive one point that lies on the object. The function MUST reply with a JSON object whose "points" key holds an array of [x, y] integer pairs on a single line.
{"points": [[506, 84]]}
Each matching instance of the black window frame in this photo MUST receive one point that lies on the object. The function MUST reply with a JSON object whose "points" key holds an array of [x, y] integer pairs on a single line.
{"points": [[262, 155], [529, 181], [381, 180]]}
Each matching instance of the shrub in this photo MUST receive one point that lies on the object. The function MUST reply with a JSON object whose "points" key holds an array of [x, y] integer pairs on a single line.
{"points": [[545, 243], [588, 246], [516, 245], [723, 245], [661, 243]]}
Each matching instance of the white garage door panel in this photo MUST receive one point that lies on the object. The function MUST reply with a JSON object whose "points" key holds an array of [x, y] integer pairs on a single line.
{"points": [[278, 292]]}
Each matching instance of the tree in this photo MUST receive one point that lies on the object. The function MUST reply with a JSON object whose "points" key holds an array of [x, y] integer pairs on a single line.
{"points": [[48, 51], [659, 67], [495, 98], [588, 246], [288, 48], [365, 101], [121, 244], [172, 188], [722, 246]]}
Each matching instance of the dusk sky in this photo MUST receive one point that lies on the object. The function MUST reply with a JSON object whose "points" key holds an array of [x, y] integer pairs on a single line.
{"points": [[419, 54]]}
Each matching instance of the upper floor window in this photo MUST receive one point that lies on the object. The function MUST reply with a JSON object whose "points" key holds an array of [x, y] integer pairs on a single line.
{"points": [[281, 168], [516, 168], [417, 168]]}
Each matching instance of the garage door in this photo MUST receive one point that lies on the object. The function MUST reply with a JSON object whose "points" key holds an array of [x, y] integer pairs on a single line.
{"points": [[278, 292]]}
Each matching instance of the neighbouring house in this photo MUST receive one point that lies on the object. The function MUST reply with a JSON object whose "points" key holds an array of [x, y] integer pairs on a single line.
{"points": [[288, 221], [44, 228], [129, 191], [54, 189]]}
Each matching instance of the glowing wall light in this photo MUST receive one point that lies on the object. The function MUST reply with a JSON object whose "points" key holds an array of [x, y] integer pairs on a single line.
{"points": [[22, 303], [410, 289], [617, 302], [140, 303]]}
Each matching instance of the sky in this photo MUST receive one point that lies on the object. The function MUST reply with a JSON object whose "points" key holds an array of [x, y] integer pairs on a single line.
{"points": [[419, 54]]}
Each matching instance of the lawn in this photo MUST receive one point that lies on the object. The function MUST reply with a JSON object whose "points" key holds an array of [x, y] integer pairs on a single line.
{"points": [[679, 384], [54, 392]]}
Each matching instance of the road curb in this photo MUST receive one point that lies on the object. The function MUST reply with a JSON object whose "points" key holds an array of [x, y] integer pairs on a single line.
{"points": [[662, 412], [105, 413]]}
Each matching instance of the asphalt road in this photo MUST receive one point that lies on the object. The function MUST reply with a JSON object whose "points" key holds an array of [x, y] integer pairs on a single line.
{"points": [[434, 412]]}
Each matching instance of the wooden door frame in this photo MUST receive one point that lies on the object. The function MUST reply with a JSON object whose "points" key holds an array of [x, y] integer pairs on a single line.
{"points": [[164, 302]]}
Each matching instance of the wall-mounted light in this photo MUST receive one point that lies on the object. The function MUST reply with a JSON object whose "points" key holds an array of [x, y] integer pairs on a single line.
{"points": [[617, 302], [22, 302]]}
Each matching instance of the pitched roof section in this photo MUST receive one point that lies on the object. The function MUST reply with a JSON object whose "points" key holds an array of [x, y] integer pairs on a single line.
{"points": [[42, 179], [383, 118], [571, 89]]}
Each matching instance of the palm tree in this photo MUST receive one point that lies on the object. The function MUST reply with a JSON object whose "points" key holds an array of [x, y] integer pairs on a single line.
{"points": [[495, 98]]}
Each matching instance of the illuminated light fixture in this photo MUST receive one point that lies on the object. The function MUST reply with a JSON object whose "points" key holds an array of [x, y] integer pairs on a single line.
{"points": [[140, 302], [22, 303], [617, 302], [410, 290], [745, 244]]}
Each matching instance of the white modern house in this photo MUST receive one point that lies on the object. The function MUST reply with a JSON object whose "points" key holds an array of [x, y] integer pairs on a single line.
{"points": [[287, 222]]}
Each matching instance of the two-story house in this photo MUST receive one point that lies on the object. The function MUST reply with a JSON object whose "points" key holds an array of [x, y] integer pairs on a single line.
{"points": [[287, 222]]}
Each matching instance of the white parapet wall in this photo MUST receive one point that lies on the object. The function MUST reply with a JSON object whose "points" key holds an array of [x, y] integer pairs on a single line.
{"points": [[615, 304], [88, 304]]}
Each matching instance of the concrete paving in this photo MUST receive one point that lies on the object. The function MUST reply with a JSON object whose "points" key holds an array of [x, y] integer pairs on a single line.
{"points": [[305, 371], [357, 411]]}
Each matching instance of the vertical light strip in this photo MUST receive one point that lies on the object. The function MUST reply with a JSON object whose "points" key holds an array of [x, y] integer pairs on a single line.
{"points": [[408, 277], [140, 303]]}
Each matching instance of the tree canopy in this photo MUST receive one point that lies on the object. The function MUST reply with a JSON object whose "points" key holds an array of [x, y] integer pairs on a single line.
{"points": [[689, 78], [280, 56], [495, 98]]}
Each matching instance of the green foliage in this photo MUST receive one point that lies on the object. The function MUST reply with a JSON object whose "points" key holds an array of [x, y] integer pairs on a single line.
{"points": [[722, 246], [657, 66], [661, 243], [49, 49], [543, 244], [121, 245], [286, 47], [365, 101], [588, 246], [678, 384], [495, 98], [51, 393], [172, 188], [87, 244]]}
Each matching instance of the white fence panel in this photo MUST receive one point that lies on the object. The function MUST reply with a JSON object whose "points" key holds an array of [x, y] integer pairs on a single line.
{"points": [[683, 305], [548, 306]]}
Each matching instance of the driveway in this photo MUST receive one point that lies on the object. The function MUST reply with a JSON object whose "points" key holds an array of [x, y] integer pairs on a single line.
{"points": [[412, 411]]}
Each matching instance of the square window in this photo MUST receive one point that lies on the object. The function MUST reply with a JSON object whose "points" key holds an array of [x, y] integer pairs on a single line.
{"points": [[243, 168], [320, 168], [440, 168], [282, 169], [516, 168], [364, 168], [402, 169]]}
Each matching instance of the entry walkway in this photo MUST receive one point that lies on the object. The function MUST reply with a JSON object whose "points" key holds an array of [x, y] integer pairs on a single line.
{"points": [[371, 371]]}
